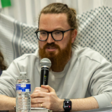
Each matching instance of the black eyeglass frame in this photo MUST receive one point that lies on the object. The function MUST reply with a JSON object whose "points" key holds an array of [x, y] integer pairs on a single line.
{"points": [[52, 35]]}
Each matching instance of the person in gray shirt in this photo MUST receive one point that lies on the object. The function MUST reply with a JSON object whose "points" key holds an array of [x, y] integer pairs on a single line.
{"points": [[80, 75]]}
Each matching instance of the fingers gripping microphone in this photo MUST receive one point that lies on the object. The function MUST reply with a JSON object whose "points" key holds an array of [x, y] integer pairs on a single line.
{"points": [[45, 65]]}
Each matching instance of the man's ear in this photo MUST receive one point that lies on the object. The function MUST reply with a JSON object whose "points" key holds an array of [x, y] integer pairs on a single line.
{"points": [[73, 35]]}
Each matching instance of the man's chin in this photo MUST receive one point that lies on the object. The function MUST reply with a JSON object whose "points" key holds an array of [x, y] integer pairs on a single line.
{"points": [[51, 53]]}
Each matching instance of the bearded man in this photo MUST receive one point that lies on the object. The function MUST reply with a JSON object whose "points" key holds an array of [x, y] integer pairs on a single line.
{"points": [[79, 78]]}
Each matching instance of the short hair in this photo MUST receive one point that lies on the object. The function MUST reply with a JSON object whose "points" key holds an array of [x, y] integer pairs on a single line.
{"points": [[2, 63], [57, 8]]}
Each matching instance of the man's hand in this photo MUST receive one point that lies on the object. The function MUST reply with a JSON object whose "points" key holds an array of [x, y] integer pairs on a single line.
{"points": [[35, 96], [46, 97]]}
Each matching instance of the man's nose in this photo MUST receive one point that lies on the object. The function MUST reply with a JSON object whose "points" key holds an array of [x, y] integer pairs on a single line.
{"points": [[50, 39]]}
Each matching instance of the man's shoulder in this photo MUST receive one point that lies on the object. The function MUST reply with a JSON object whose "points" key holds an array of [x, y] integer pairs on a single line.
{"points": [[88, 53], [27, 57]]}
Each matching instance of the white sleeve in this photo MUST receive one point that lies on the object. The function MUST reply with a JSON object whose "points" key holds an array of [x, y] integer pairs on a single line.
{"points": [[8, 80], [101, 84]]}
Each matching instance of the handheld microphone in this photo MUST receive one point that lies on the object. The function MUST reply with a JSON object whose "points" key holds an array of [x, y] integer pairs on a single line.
{"points": [[45, 65]]}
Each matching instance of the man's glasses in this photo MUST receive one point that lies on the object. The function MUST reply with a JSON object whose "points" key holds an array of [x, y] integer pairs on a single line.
{"points": [[57, 35]]}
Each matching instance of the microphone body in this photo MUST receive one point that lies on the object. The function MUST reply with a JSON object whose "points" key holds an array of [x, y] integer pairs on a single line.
{"points": [[45, 65], [44, 76]]}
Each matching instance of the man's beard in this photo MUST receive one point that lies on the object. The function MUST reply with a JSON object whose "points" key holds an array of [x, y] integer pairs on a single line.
{"points": [[58, 60]]}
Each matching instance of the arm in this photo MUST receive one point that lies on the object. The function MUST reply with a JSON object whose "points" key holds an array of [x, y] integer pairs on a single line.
{"points": [[84, 104], [8, 88], [8, 103]]}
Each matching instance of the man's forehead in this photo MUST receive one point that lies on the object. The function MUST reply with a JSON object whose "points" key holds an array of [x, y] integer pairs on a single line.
{"points": [[51, 19]]}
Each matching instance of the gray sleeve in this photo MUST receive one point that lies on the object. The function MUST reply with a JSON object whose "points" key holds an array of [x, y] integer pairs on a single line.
{"points": [[8, 80], [100, 85], [104, 100]]}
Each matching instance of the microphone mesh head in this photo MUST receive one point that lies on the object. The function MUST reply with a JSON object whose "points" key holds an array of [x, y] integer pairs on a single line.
{"points": [[45, 62]]}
